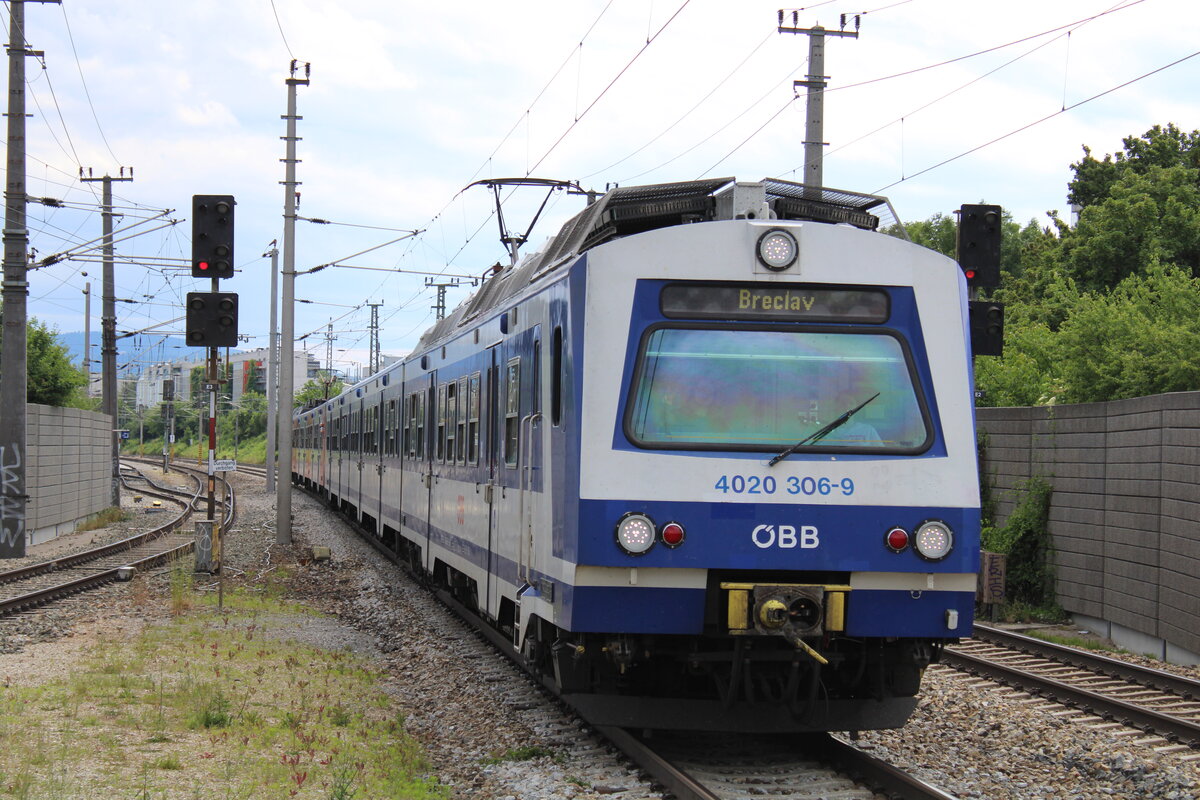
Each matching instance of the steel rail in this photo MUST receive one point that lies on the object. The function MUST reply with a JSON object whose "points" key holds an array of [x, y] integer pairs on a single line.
{"points": [[48, 595], [96, 553], [1187, 688], [1165, 725], [196, 473], [673, 779], [882, 776]]}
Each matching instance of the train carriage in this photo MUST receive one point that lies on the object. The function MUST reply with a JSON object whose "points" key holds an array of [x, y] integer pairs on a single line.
{"points": [[707, 460]]}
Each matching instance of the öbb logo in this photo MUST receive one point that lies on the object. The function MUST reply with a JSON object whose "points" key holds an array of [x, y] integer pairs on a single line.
{"points": [[785, 537]]}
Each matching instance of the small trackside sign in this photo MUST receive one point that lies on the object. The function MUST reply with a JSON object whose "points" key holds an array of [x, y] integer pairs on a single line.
{"points": [[225, 465]]}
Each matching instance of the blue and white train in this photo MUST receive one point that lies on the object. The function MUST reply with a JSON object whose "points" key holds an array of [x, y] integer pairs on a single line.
{"points": [[708, 459]]}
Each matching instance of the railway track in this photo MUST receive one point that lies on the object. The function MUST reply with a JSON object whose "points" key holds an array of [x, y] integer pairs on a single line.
{"points": [[34, 585], [695, 766], [707, 766], [1150, 700]]}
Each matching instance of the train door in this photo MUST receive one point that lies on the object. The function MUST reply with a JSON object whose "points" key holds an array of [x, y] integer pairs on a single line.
{"points": [[516, 438], [426, 455], [493, 590]]}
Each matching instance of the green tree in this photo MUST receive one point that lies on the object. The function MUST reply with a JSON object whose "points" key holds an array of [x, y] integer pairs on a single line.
{"points": [[52, 379], [1139, 339], [1149, 217], [318, 390], [1157, 147]]}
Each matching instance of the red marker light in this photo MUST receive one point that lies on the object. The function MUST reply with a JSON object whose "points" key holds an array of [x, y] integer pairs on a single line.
{"points": [[203, 265], [672, 534], [897, 539]]}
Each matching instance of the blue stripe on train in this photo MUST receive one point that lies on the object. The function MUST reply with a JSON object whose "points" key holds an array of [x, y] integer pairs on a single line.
{"points": [[778, 536]]}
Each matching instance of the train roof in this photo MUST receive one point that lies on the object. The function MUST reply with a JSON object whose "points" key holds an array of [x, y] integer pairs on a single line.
{"points": [[630, 210]]}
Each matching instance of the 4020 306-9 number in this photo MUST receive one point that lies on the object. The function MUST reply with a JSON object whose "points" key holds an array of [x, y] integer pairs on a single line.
{"points": [[808, 486]]}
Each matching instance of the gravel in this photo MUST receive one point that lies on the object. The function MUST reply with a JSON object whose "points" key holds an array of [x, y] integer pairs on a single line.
{"points": [[475, 713]]}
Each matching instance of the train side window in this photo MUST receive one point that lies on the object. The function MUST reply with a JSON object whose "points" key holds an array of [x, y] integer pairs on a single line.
{"points": [[406, 425], [441, 423], [389, 430], [421, 424], [461, 428], [535, 378], [451, 420], [512, 411], [473, 420], [556, 376]]}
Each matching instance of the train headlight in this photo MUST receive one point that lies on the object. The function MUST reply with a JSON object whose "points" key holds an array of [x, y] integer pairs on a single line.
{"points": [[777, 250], [934, 540], [635, 533]]}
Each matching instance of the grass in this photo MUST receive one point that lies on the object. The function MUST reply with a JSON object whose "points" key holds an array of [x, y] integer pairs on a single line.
{"points": [[524, 753], [252, 450], [1100, 645], [102, 519], [212, 704]]}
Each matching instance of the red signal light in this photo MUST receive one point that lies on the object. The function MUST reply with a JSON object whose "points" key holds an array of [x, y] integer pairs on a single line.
{"points": [[970, 274], [203, 265]]}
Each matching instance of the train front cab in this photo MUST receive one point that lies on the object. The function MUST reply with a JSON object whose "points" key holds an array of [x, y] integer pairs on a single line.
{"points": [[810, 592]]}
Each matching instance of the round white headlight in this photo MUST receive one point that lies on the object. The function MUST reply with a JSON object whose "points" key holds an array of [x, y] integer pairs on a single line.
{"points": [[934, 540], [635, 533], [777, 250]]}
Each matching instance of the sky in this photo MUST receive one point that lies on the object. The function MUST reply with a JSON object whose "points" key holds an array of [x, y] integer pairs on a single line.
{"points": [[936, 103]]}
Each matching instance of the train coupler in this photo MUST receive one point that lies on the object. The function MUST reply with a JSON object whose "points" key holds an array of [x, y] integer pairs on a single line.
{"points": [[793, 611]]}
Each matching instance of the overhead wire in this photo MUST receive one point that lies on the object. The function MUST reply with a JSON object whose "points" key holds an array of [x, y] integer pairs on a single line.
{"points": [[1040, 121], [971, 82], [87, 93], [943, 63]]}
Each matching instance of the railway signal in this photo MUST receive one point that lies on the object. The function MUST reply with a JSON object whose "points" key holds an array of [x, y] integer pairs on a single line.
{"points": [[979, 245], [212, 319], [212, 235], [987, 328]]}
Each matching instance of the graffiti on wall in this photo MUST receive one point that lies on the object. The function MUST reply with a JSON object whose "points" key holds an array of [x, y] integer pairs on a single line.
{"points": [[12, 507]]}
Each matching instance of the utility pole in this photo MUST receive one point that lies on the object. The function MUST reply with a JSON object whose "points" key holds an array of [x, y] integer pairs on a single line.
{"points": [[329, 339], [272, 367], [15, 386], [283, 493], [108, 332], [374, 357], [439, 307], [817, 80]]}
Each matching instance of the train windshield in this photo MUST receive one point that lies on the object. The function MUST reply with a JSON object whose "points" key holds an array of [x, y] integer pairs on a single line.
{"points": [[739, 389]]}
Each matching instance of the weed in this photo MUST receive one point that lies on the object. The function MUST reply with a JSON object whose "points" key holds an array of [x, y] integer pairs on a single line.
{"points": [[1079, 641], [169, 761], [212, 711], [338, 716], [342, 784], [102, 519], [182, 583], [526, 752]]}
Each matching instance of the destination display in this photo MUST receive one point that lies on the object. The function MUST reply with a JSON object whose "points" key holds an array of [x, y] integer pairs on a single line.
{"points": [[791, 302]]}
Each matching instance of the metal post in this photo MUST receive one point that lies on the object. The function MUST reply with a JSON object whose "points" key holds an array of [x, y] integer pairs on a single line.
{"points": [[283, 503], [272, 370], [108, 335], [14, 387], [814, 127], [87, 336]]}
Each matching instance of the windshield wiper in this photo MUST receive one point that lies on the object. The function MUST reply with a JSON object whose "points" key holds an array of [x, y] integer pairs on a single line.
{"points": [[822, 432]]}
